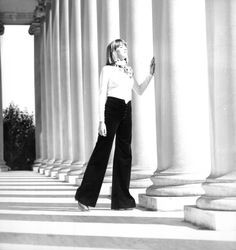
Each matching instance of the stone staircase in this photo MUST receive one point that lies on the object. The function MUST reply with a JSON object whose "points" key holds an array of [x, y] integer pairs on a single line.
{"points": [[38, 212]]}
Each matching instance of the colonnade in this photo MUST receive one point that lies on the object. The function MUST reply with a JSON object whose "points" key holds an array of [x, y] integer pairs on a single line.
{"points": [[182, 105], [184, 126], [70, 52], [195, 108], [216, 209]]}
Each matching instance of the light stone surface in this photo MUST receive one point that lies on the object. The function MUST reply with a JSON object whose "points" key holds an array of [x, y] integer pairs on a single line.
{"points": [[215, 220], [56, 85], [137, 29], [216, 209], [37, 213], [49, 86], [76, 90], [65, 86], [220, 189], [37, 93], [167, 203], [43, 136], [181, 190], [183, 143], [217, 203]]}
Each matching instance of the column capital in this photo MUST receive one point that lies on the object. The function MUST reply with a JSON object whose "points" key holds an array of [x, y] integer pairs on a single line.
{"points": [[39, 16], [1, 28], [35, 28]]}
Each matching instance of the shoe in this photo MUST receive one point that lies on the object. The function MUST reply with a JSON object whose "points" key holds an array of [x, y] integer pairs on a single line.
{"points": [[82, 207]]}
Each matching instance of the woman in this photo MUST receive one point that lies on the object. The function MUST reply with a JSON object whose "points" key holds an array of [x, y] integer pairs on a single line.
{"points": [[116, 84]]}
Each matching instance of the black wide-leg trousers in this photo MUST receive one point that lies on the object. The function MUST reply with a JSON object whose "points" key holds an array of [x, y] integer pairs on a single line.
{"points": [[118, 122]]}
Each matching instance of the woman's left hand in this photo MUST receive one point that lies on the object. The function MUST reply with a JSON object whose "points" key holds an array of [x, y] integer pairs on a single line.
{"points": [[152, 66]]}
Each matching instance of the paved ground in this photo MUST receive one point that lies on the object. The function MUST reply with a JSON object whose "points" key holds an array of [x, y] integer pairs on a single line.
{"points": [[39, 213]]}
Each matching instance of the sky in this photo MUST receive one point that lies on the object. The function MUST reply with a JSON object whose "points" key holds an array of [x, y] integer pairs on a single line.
{"points": [[18, 67]]}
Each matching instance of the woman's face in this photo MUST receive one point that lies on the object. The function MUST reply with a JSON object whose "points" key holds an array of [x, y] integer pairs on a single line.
{"points": [[122, 52]]}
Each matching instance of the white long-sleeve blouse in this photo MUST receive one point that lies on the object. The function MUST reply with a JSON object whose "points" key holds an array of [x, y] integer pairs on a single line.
{"points": [[115, 82]]}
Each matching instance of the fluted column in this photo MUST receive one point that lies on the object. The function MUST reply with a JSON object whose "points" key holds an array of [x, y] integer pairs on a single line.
{"points": [[90, 74], [49, 91], [3, 167], [56, 91], [108, 27], [37, 86], [44, 131], [182, 105], [65, 88], [136, 28], [108, 30], [76, 100], [36, 30], [216, 209]]}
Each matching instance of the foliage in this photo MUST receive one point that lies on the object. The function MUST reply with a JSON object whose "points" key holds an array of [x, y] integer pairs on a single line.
{"points": [[19, 138]]}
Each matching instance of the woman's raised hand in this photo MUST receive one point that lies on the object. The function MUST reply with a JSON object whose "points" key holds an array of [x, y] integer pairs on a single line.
{"points": [[152, 66], [102, 130]]}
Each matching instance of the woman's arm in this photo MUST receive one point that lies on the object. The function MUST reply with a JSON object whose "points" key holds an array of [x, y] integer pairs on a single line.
{"points": [[140, 88], [104, 78], [103, 92]]}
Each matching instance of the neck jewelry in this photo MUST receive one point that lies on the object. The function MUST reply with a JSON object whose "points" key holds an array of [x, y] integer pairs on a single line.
{"points": [[127, 69]]}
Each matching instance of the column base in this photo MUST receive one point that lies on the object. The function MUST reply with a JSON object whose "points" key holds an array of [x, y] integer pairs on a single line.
{"points": [[62, 173], [210, 219], [72, 176], [54, 171], [141, 178], [37, 165], [166, 203], [75, 173], [41, 169], [4, 168], [56, 167], [74, 170], [36, 169], [140, 183]]}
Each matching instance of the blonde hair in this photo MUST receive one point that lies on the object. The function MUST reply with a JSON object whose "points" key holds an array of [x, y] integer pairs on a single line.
{"points": [[111, 48]]}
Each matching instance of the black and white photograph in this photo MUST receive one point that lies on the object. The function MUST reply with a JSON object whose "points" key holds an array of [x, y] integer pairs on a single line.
{"points": [[117, 125]]}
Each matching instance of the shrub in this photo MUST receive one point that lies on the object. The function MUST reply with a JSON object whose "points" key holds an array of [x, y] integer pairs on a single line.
{"points": [[19, 138]]}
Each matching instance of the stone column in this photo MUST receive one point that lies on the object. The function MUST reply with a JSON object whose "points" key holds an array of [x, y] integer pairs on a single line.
{"points": [[90, 74], [37, 86], [44, 102], [36, 30], [216, 209], [182, 105], [136, 29], [56, 90], [108, 30], [65, 88], [108, 27], [49, 91], [3, 167], [76, 100]]}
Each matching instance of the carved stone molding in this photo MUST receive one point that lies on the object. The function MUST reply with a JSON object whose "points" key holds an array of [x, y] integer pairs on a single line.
{"points": [[35, 28], [39, 16]]}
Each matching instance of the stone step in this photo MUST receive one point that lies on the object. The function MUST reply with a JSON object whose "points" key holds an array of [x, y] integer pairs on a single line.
{"points": [[105, 232], [41, 192], [34, 216], [41, 247]]}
